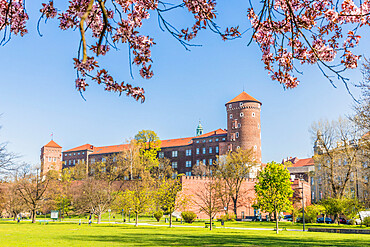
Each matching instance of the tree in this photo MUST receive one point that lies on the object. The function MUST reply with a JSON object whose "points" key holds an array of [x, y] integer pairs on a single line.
{"points": [[233, 170], [312, 212], [208, 199], [13, 202], [337, 158], [31, 188], [273, 190], [7, 159], [168, 196], [149, 144]]}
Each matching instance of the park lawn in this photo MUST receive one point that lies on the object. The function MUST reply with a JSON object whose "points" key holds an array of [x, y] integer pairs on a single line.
{"points": [[71, 234]]}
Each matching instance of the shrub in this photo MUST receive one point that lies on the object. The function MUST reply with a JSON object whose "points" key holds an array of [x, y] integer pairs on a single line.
{"points": [[227, 217], [366, 221], [158, 215], [188, 216]]}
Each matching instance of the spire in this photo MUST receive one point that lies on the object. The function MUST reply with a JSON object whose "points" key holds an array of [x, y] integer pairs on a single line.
{"points": [[199, 129]]}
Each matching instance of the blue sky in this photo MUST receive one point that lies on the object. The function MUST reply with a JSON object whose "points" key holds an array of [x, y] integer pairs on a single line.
{"points": [[38, 96]]}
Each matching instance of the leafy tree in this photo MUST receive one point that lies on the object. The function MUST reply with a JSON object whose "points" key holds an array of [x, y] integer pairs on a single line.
{"points": [[188, 216], [168, 196], [150, 145], [312, 212], [158, 215], [273, 190], [233, 170]]}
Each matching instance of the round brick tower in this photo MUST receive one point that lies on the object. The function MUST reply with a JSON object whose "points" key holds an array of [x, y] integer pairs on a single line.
{"points": [[244, 124]]}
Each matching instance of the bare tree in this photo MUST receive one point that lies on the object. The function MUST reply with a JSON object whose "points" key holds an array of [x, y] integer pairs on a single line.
{"points": [[31, 188], [7, 159], [338, 155]]}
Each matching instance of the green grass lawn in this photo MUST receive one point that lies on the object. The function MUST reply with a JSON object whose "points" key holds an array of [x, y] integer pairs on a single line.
{"points": [[71, 234]]}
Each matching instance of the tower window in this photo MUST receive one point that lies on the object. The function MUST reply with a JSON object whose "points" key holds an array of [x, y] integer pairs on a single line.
{"points": [[239, 125], [242, 114], [241, 104], [237, 134], [253, 114], [230, 105], [231, 116], [238, 147], [255, 146]]}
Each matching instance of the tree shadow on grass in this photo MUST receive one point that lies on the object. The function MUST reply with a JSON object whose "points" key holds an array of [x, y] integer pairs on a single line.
{"points": [[216, 239]]}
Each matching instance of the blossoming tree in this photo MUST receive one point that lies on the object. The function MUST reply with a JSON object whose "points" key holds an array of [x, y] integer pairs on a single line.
{"points": [[306, 31]]}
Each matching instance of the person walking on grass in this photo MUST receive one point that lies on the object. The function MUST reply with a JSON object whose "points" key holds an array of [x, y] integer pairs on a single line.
{"points": [[90, 220]]}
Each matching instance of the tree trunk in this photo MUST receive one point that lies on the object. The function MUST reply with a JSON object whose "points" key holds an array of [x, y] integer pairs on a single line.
{"points": [[235, 201], [136, 219], [33, 215], [210, 223], [99, 218], [277, 221], [170, 220]]}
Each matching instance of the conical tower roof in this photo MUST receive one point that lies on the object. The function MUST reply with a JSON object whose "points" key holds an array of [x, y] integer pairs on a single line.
{"points": [[243, 97], [52, 144]]}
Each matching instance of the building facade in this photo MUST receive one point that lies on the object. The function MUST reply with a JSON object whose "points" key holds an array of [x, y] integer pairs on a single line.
{"points": [[243, 131], [51, 157]]}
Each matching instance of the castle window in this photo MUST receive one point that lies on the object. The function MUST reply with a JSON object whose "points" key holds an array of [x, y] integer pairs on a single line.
{"points": [[174, 164], [83, 152], [204, 150], [74, 162], [55, 159], [204, 162], [70, 162], [70, 154], [188, 152], [253, 114], [210, 140], [258, 126], [241, 104], [74, 153], [204, 140], [216, 139], [188, 174], [231, 116], [224, 139], [237, 134], [255, 146], [197, 150], [197, 141], [114, 159], [49, 159], [210, 150], [161, 155], [197, 162], [238, 147], [65, 154], [231, 105], [210, 161], [239, 125], [78, 153], [241, 114], [188, 163], [217, 150], [174, 153]]}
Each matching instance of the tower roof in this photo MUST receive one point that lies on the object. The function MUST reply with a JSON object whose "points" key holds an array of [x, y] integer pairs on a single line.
{"points": [[243, 97], [52, 144]]}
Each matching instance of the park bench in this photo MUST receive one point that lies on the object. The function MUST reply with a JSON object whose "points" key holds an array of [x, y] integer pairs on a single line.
{"points": [[207, 225], [44, 221]]}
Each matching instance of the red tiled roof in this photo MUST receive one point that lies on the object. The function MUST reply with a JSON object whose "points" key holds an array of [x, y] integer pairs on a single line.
{"points": [[80, 148], [52, 144], [300, 162], [164, 144], [215, 132], [243, 97]]}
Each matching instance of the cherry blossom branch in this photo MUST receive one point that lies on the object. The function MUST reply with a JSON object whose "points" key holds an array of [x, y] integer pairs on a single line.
{"points": [[82, 30]]}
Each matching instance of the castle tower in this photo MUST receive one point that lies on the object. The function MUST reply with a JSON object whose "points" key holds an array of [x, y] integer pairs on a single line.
{"points": [[51, 157], [199, 129], [244, 124]]}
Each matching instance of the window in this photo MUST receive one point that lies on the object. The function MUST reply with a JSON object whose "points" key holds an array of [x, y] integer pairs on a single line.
{"points": [[114, 159], [224, 139], [241, 114], [188, 152], [210, 140], [188, 163], [174, 153], [65, 154], [204, 162], [74, 153], [161, 155], [70, 154], [216, 139], [364, 165], [231, 116], [210, 150], [238, 147], [188, 174], [197, 150], [255, 147], [174, 164], [241, 104], [210, 161], [217, 150], [197, 141], [253, 114], [239, 125], [258, 126], [74, 162], [237, 134], [49, 159], [70, 162], [83, 152], [204, 151], [231, 105], [197, 162], [92, 161], [78, 153], [103, 159], [204, 140]]}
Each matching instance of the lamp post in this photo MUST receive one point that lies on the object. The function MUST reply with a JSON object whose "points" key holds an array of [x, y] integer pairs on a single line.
{"points": [[303, 205]]}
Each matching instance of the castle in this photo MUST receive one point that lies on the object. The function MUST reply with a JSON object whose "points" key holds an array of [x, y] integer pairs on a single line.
{"points": [[243, 131]]}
